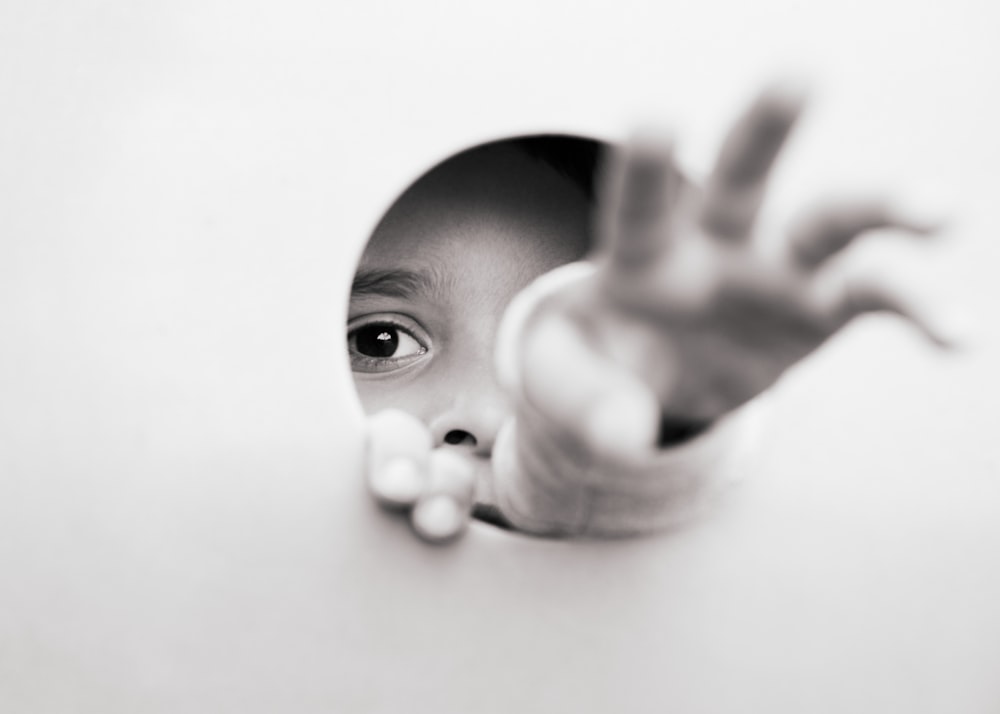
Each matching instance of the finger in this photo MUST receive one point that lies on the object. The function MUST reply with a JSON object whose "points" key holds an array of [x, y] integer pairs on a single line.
{"points": [[862, 295], [736, 186], [825, 232], [398, 450], [640, 190], [443, 510], [597, 404]]}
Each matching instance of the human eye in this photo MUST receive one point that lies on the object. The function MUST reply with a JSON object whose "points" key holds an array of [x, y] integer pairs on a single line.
{"points": [[382, 343]]}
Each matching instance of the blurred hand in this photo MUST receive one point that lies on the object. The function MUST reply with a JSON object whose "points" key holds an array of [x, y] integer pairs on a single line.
{"points": [[691, 311], [686, 313], [435, 488]]}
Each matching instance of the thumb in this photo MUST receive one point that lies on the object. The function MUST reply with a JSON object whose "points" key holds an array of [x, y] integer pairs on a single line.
{"points": [[592, 402]]}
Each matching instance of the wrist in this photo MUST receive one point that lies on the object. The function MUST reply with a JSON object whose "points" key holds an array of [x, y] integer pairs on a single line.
{"points": [[542, 488]]}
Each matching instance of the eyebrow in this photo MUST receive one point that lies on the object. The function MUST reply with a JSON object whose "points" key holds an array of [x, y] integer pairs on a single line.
{"points": [[398, 283]]}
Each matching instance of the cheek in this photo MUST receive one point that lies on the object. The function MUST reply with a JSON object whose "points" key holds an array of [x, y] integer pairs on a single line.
{"points": [[415, 398]]}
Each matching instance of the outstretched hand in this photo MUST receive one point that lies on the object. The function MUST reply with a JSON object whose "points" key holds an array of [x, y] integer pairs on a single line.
{"points": [[685, 312], [692, 311]]}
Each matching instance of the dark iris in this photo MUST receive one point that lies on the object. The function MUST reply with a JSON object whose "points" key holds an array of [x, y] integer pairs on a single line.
{"points": [[377, 340]]}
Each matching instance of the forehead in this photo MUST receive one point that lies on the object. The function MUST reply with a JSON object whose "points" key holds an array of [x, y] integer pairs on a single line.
{"points": [[493, 207]]}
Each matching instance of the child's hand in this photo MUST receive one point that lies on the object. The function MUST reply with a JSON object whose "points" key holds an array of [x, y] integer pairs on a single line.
{"points": [[690, 313], [435, 486]]}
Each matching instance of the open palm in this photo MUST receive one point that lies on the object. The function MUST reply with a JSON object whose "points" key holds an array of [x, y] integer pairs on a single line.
{"points": [[691, 311]]}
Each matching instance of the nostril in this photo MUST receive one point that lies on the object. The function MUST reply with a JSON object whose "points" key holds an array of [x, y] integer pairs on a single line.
{"points": [[458, 437]]}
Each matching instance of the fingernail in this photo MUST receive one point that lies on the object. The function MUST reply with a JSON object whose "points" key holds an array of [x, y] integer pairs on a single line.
{"points": [[438, 518], [398, 482]]}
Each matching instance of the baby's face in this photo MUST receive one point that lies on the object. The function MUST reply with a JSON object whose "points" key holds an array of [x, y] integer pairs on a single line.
{"points": [[435, 279]]}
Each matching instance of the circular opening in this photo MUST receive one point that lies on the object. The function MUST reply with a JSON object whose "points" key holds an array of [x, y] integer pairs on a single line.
{"points": [[439, 270]]}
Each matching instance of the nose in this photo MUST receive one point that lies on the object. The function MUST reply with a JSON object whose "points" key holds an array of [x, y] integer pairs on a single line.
{"points": [[472, 419]]}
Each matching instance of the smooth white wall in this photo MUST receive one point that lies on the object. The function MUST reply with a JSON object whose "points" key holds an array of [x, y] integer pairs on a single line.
{"points": [[184, 188]]}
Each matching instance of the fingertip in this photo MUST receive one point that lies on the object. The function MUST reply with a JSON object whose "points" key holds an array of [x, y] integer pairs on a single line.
{"points": [[923, 217], [641, 188], [439, 518], [453, 474], [399, 429], [444, 508], [788, 94], [393, 433], [942, 325], [623, 426], [736, 186], [652, 140], [398, 445], [397, 483], [952, 331]]}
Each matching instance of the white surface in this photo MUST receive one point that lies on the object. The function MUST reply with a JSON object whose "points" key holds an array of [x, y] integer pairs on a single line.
{"points": [[185, 187]]}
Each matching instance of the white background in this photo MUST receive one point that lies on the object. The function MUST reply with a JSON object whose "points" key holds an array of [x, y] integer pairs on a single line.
{"points": [[184, 188]]}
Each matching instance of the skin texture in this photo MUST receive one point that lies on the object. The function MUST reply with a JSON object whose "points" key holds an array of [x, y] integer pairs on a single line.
{"points": [[686, 316]]}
